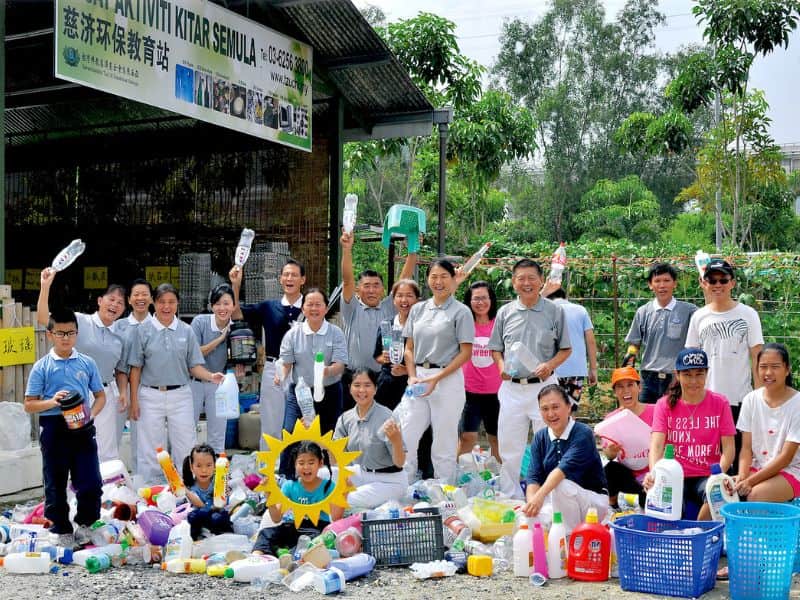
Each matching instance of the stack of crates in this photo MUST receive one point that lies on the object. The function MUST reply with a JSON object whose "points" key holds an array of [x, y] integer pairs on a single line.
{"points": [[195, 282]]}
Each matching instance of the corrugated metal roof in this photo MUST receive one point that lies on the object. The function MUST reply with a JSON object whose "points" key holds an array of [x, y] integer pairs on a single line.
{"points": [[348, 56]]}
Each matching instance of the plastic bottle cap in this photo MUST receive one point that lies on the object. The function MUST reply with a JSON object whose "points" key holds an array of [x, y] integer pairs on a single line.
{"points": [[228, 573], [716, 469], [523, 526], [319, 357], [223, 455], [557, 517], [591, 515], [159, 449], [669, 452]]}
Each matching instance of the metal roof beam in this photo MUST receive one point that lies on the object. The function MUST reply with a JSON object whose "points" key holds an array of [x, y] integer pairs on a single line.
{"points": [[356, 61], [30, 34]]}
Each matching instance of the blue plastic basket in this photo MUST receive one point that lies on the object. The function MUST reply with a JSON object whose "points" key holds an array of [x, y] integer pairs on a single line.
{"points": [[796, 502], [232, 433], [761, 541], [664, 563], [246, 401]]}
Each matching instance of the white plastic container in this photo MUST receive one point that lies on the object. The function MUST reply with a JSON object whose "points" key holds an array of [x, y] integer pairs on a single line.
{"points": [[319, 377], [475, 259], [717, 494], [256, 565], [27, 562], [665, 498], [112, 551], [523, 551], [558, 263], [631, 434], [701, 260], [519, 354], [179, 543], [115, 472], [349, 214], [226, 398], [243, 248], [557, 548], [304, 400]]}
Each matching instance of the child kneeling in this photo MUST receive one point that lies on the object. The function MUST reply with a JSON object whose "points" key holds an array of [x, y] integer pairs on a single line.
{"points": [[198, 476]]}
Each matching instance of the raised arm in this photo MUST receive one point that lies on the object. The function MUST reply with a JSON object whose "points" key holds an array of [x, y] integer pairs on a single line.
{"points": [[43, 304], [235, 275], [348, 277]]}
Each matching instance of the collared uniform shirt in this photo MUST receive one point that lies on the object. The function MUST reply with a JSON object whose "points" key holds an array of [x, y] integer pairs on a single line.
{"points": [[127, 328], [300, 345], [275, 317], [165, 354], [438, 331], [105, 344], [361, 323], [662, 331], [362, 434], [51, 374], [206, 330]]}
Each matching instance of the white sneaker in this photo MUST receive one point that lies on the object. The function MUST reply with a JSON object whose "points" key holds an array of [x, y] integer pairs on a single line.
{"points": [[83, 535]]}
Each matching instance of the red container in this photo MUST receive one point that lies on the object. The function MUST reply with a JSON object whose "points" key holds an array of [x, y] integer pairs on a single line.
{"points": [[589, 551]]}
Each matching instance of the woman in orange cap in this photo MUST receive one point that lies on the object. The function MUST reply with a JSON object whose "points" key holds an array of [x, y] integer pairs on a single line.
{"points": [[622, 479]]}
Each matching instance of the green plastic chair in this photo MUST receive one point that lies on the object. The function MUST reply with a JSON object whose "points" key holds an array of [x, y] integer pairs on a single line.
{"points": [[404, 220]]}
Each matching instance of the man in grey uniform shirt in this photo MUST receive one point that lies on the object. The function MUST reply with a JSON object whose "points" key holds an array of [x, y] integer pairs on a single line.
{"points": [[660, 326], [364, 305], [540, 326]]}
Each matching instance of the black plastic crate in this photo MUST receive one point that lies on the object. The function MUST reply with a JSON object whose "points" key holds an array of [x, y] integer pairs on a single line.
{"points": [[401, 542]]}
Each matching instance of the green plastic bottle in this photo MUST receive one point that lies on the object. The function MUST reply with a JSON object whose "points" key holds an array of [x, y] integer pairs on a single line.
{"points": [[98, 563]]}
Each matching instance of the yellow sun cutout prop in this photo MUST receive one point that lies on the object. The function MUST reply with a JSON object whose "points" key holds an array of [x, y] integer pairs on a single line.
{"points": [[339, 456]]}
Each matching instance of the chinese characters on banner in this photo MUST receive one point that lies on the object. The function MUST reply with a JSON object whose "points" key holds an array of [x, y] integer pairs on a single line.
{"points": [[17, 346]]}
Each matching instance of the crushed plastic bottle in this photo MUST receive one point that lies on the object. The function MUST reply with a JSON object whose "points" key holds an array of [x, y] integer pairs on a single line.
{"points": [[305, 401], [558, 264], [473, 260], [434, 569], [68, 255], [349, 214], [243, 248]]}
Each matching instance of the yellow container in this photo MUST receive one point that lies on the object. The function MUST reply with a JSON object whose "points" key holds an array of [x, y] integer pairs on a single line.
{"points": [[216, 570], [479, 566]]}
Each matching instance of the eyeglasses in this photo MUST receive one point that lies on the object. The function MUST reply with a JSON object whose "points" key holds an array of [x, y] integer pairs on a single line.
{"points": [[477, 300], [721, 280], [67, 334]]}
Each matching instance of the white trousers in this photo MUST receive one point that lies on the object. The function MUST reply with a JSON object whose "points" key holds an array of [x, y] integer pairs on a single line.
{"points": [[109, 423], [203, 393], [573, 502], [164, 417], [519, 410], [373, 489], [442, 412], [272, 404]]}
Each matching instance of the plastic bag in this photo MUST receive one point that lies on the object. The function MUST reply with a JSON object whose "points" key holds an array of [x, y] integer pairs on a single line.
{"points": [[15, 427]]}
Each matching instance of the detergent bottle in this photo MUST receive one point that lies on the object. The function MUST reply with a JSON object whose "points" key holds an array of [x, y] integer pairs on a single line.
{"points": [[221, 481], [719, 491], [665, 498], [557, 548], [523, 551], [170, 472], [589, 550]]}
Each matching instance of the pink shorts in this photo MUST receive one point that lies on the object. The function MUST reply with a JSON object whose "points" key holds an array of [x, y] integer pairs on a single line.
{"points": [[790, 479]]}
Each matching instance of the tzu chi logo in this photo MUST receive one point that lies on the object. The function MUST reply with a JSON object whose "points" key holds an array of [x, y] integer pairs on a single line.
{"points": [[71, 56], [694, 359]]}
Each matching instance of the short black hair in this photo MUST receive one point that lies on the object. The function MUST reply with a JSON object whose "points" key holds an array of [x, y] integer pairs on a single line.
{"points": [[525, 263], [296, 263], [166, 288], [315, 290], [116, 287], [369, 273], [557, 293], [662, 268], [445, 264], [218, 292], [61, 315], [141, 281]]}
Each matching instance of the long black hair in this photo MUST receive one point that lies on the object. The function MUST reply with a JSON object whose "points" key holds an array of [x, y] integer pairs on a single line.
{"points": [[782, 352], [492, 297], [309, 447], [188, 476]]}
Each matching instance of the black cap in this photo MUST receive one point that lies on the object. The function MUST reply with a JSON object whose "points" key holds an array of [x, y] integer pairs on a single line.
{"points": [[717, 264]]}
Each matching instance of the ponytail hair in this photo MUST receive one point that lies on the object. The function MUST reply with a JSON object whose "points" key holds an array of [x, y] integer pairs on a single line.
{"points": [[188, 476], [674, 392], [309, 447]]}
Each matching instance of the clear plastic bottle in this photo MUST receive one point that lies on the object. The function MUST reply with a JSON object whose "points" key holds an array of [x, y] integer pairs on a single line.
{"points": [[386, 334], [350, 213], [415, 390], [701, 260], [558, 263], [396, 350], [221, 468], [104, 534], [521, 358], [243, 248], [170, 472], [319, 377], [68, 255], [473, 260], [304, 400], [98, 562]]}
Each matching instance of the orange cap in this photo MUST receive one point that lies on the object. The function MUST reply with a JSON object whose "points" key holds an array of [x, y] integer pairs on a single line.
{"points": [[618, 375]]}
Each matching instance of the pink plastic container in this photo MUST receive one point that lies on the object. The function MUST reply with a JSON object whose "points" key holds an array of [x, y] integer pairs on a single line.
{"points": [[339, 526]]}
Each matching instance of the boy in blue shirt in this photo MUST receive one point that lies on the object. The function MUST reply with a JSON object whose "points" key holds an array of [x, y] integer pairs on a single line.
{"points": [[68, 451]]}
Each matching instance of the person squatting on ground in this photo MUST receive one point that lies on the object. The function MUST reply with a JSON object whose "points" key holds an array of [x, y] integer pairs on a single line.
{"points": [[198, 477]]}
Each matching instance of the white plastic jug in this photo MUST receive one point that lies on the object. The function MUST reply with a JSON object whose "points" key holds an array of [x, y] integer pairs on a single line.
{"points": [[27, 562], [719, 492], [249, 568], [557, 548], [226, 398], [523, 551], [665, 498], [179, 543]]}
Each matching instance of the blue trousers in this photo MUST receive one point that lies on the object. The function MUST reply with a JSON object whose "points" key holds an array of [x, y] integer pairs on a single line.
{"points": [[69, 454], [653, 386], [215, 520]]}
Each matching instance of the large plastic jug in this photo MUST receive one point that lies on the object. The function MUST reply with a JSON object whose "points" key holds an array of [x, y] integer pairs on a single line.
{"points": [[170, 472], [247, 569], [557, 548], [156, 526], [719, 492], [631, 434], [226, 398], [523, 551], [665, 498], [589, 550], [179, 543], [26, 562]]}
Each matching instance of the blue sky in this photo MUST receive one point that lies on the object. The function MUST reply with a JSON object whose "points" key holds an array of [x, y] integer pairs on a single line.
{"points": [[478, 25]]}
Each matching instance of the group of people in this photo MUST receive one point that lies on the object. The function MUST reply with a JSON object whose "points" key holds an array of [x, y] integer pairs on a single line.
{"points": [[515, 368]]}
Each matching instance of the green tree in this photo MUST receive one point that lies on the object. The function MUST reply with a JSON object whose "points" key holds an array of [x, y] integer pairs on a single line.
{"points": [[623, 209]]}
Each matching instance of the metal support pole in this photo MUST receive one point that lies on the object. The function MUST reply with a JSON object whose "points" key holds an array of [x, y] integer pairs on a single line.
{"points": [[442, 117]]}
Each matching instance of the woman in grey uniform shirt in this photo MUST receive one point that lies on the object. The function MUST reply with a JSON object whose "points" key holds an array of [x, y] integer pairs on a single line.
{"points": [[212, 333], [164, 353], [439, 334], [99, 337], [298, 348]]}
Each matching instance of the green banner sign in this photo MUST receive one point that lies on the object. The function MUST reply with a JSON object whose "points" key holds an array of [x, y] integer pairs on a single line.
{"points": [[194, 58]]}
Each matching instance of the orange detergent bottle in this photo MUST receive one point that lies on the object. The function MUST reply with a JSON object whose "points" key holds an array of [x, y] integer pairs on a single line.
{"points": [[589, 550]]}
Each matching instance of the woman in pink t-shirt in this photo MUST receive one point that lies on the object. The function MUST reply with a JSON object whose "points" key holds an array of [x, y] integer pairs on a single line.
{"points": [[696, 422], [481, 377]]}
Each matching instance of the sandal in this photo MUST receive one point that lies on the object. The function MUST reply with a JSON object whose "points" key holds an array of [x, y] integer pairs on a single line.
{"points": [[722, 574]]}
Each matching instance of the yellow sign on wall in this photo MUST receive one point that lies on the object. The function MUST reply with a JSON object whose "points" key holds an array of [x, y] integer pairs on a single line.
{"points": [[33, 279], [176, 277], [17, 346], [14, 278], [158, 275], [95, 278]]}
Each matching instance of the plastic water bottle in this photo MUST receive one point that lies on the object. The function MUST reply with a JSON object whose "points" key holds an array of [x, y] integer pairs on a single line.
{"points": [[68, 255], [98, 562], [304, 400], [104, 534], [719, 492], [221, 468], [558, 263], [350, 211], [557, 548], [701, 260], [26, 562], [386, 334], [226, 397], [396, 350], [170, 472], [520, 359], [414, 390], [473, 260], [319, 377], [243, 248], [664, 500]]}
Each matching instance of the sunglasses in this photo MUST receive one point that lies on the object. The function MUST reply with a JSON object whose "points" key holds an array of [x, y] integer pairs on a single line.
{"points": [[719, 280]]}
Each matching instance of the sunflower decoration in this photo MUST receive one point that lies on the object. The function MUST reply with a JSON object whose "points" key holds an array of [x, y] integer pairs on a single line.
{"points": [[339, 456]]}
